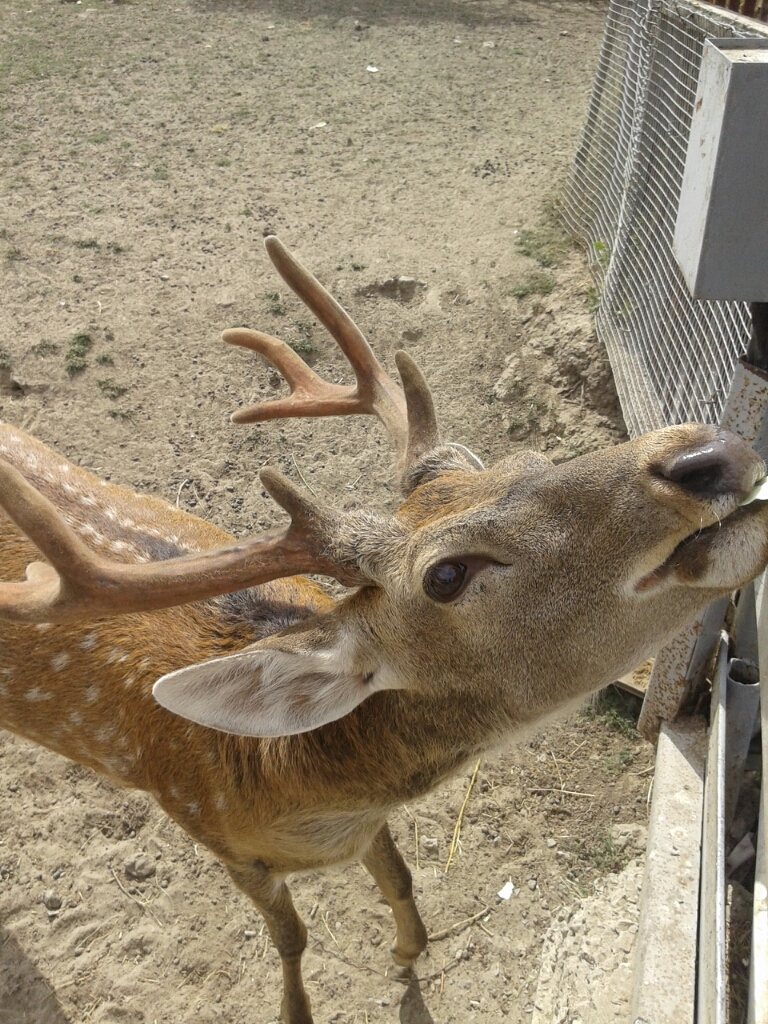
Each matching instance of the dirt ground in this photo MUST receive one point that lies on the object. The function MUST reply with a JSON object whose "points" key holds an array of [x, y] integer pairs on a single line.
{"points": [[146, 148]]}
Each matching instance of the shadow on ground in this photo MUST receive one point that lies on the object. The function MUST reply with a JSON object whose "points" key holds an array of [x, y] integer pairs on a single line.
{"points": [[413, 1009], [487, 12], [25, 997]]}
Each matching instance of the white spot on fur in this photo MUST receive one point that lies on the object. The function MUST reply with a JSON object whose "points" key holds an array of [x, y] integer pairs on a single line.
{"points": [[59, 661], [42, 626], [220, 801], [75, 718], [88, 642], [193, 807], [116, 654], [92, 694], [129, 681], [36, 694], [7, 672], [88, 531], [105, 733]]}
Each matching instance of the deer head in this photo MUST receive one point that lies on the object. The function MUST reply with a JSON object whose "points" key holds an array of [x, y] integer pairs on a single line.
{"points": [[516, 589]]}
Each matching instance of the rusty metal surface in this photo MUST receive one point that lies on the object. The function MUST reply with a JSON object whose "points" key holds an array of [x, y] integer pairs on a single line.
{"points": [[679, 667], [747, 401], [665, 971], [636, 681], [667, 682]]}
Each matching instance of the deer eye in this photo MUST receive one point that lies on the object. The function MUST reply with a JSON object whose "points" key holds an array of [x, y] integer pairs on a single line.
{"points": [[445, 580]]}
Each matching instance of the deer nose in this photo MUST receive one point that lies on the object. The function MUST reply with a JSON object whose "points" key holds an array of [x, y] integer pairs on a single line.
{"points": [[724, 465]]}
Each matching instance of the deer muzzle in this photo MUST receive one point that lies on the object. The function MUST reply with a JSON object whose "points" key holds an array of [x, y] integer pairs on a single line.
{"points": [[724, 466]]}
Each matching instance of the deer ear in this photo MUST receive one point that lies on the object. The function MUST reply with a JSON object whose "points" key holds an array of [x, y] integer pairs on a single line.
{"points": [[268, 692]]}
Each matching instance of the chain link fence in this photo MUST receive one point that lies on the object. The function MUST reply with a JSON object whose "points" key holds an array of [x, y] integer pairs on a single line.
{"points": [[672, 356]]}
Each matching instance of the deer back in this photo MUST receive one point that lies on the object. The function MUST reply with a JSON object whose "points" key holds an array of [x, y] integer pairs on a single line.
{"points": [[490, 599]]}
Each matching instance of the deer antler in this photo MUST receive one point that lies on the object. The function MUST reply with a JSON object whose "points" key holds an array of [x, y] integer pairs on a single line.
{"points": [[79, 584], [412, 426]]}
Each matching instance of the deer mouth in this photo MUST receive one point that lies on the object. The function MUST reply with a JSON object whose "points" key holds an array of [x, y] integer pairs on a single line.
{"points": [[726, 479], [691, 557]]}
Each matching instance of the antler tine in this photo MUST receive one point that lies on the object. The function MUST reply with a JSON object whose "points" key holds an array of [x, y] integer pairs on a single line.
{"points": [[310, 394], [375, 393], [80, 584], [371, 376], [423, 434]]}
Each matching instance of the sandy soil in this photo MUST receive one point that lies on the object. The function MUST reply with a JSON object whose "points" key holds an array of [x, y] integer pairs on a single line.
{"points": [[147, 147]]}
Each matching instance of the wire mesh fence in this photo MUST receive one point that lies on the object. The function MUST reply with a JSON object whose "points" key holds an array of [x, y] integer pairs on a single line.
{"points": [[672, 356]]}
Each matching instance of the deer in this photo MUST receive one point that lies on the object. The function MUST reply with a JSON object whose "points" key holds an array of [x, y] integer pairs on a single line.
{"points": [[280, 726]]}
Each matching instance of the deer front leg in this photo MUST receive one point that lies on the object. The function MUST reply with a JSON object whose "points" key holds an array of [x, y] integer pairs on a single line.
{"points": [[287, 931], [391, 874]]}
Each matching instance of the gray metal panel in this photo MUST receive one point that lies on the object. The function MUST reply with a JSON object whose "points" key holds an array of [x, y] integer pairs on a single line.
{"points": [[722, 219], [758, 974], [742, 703], [744, 631], [758, 967]]}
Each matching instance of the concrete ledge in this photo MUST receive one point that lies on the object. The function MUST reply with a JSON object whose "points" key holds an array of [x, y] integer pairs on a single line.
{"points": [[665, 973]]}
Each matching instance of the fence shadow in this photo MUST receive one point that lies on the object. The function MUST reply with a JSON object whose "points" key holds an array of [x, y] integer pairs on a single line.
{"points": [[25, 997], [467, 12]]}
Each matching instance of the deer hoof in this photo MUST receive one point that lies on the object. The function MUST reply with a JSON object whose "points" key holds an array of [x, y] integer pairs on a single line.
{"points": [[403, 961]]}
